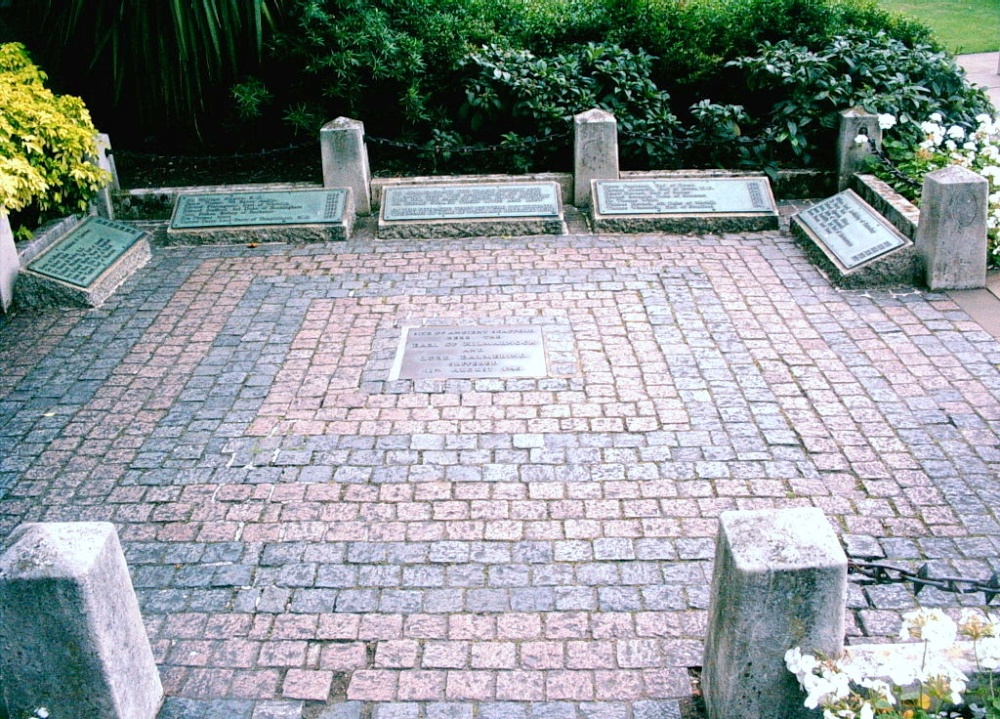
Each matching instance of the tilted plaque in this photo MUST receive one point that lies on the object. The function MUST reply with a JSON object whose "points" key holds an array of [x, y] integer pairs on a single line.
{"points": [[850, 230], [469, 352], [253, 209], [86, 251]]}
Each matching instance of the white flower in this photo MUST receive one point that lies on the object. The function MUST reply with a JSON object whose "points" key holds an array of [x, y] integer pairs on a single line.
{"points": [[42, 713], [877, 686], [886, 121], [931, 625], [900, 672], [867, 712], [936, 117], [800, 664], [988, 653], [956, 132], [861, 139]]}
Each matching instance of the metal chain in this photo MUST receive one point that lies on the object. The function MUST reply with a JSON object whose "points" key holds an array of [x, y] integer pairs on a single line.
{"points": [[882, 573], [890, 166], [464, 149], [217, 158]]}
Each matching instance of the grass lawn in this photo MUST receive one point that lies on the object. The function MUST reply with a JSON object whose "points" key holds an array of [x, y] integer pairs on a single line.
{"points": [[963, 26]]}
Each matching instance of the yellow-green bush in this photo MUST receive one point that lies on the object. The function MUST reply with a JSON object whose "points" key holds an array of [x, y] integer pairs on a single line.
{"points": [[45, 142]]}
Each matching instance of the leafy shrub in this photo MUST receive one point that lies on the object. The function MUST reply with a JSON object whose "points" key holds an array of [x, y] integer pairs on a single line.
{"points": [[798, 92], [378, 62], [537, 98], [45, 142]]}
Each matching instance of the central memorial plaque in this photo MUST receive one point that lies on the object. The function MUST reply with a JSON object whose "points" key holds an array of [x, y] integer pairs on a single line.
{"points": [[472, 209], [685, 204], [850, 230], [469, 352], [86, 252], [231, 209]]}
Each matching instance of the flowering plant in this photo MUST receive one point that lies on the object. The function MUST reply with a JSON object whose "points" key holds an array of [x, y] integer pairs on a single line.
{"points": [[943, 144], [901, 689]]}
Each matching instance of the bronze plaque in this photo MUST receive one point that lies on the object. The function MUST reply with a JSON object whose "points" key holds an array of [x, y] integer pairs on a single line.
{"points": [[470, 352], [254, 209], [86, 251], [850, 229], [687, 195], [469, 201]]}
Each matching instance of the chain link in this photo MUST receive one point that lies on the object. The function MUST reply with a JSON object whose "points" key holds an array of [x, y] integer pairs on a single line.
{"points": [[890, 165], [440, 148], [216, 158], [881, 573]]}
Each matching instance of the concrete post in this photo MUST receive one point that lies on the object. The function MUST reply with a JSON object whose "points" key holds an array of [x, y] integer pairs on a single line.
{"points": [[345, 160], [595, 152], [951, 233], [780, 581], [73, 640], [851, 156], [10, 264], [102, 205]]}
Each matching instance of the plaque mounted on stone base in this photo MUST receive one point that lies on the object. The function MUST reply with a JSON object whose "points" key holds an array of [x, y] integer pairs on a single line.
{"points": [[683, 204], [84, 266], [856, 245], [471, 210], [269, 216]]}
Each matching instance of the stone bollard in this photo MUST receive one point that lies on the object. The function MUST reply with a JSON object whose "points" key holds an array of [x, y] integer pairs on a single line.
{"points": [[595, 152], [10, 263], [851, 156], [780, 581], [951, 233], [103, 204], [345, 160], [73, 640]]}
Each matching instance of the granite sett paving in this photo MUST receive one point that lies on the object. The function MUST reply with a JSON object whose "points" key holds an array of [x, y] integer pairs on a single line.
{"points": [[308, 539]]}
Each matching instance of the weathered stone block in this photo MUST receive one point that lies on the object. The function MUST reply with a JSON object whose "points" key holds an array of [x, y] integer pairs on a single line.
{"points": [[951, 235], [10, 265], [851, 156], [72, 636], [345, 160], [595, 152], [780, 581]]}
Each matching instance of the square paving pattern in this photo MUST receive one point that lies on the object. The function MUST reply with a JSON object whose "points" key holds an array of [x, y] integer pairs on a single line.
{"points": [[310, 539]]}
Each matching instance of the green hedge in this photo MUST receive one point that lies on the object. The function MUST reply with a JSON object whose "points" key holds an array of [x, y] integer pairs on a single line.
{"points": [[748, 83]]}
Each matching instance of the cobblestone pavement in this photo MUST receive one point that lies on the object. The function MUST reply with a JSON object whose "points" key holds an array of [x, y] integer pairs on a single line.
{"points": [[309, 539]]}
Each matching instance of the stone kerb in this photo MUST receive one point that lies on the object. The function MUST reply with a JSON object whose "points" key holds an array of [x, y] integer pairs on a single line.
{"points": [[780, 581], [595, 152], [72, 636], [345, 160], [951, 235]]}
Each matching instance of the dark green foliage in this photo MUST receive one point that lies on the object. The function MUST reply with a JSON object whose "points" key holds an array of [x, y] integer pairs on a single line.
{"points": [[747, 83], [802, 91], [160, 63], [533, 97]]}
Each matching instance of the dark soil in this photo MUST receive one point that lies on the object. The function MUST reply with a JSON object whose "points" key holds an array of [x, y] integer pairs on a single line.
{"points": [[299, 163]]}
